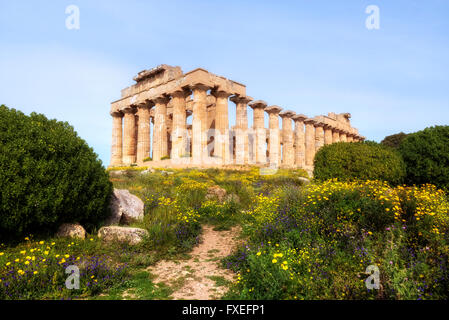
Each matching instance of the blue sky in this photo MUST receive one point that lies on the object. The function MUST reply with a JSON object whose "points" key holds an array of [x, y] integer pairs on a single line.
{"points": [[312, 57]]}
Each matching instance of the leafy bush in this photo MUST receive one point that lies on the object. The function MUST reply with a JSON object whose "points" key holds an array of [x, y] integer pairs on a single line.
{"points": [[48, 176], [394, 140], [362, 160], [426, 155]]}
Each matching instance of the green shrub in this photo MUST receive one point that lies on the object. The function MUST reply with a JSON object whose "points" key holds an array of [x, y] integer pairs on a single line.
{"points": [[362, 160], [147, 159], [48, 176], [394, 140], [165, 158], [426, 155]]}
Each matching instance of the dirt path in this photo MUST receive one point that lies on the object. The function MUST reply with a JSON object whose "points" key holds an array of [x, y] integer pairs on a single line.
{"points": [[200, 277]]}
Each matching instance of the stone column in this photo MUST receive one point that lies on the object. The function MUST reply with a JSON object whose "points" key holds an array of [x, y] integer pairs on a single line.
{"points": [[129, 143], [300, 147], [288, 152], [143, 133], [343, 136], [310, 141], [328, 134], [179, 130], [199, 123], [335, 135], [160, 146], [259, 129], [241, 124], [319, 135], [349, 137], [221, 145], [274, 134], [117, 139]]}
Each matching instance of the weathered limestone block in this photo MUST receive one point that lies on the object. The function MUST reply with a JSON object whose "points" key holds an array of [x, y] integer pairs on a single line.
{"points": [[71, 230], [216, 192], [131, 236], [125, 208]]}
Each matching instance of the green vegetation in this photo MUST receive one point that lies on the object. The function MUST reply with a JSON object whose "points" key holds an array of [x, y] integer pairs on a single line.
{"points": [[426, 155], [394, 140], [48, 176], [361, 160]]}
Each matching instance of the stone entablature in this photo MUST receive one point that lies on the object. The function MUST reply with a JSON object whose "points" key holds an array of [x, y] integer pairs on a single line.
{"points": [[150, 119]]}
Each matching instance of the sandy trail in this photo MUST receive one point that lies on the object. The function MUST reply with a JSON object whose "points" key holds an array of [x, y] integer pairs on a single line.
{"points": [[200, 277]]}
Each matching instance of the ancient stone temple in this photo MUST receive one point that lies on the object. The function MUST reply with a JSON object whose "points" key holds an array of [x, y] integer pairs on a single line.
{"points": [[173, 119]]}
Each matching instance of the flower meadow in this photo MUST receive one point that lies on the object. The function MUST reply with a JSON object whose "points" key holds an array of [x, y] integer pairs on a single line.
{"points": [[316, 242], [37, 270], [298, 241]]}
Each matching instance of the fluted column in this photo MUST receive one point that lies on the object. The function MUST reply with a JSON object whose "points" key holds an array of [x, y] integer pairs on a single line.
{"points": [[199, 123], [129, 143], [160, 146], [179, 130], [143, 133], [117, 139], [288, 152], [300, 147], [319, 135], [328, 134], [274, 146], [343, 137], [310, 141], [349, 137], [241, 129], [221, 146], [259, 129], [335, 135]]}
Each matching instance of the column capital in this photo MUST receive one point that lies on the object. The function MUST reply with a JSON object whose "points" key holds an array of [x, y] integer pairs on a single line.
{"points": [[273, 109], [129, 109], [162, 99], [258, 104], [319, 124], [148, 104], [310, 121], [219, 93], [180, 92], [200, 86], [287, 114], [116, 113], [241, 99], [299, 117]]}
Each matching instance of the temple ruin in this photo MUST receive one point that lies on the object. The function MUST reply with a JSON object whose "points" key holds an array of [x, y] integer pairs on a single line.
{"points": [[152, 125]]}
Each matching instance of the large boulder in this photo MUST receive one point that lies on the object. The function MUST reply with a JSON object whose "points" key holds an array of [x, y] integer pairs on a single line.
{"points": [[128, 235], [71, 230], [125, 208], [216, 192]]}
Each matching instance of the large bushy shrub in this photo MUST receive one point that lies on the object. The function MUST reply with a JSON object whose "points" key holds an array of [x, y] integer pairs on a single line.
{"points": [[48, 176], [361, 160], [426, 155], [394, 140]]}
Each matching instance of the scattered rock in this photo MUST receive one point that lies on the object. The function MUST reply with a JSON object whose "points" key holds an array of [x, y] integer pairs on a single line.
{"points": [[71, 230], [125, 208], [131, 236], [305, 181], [115, 173], [216, 192]]}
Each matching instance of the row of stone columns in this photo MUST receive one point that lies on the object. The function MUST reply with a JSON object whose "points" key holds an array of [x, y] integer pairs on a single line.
{"points": [[131, 141]]}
